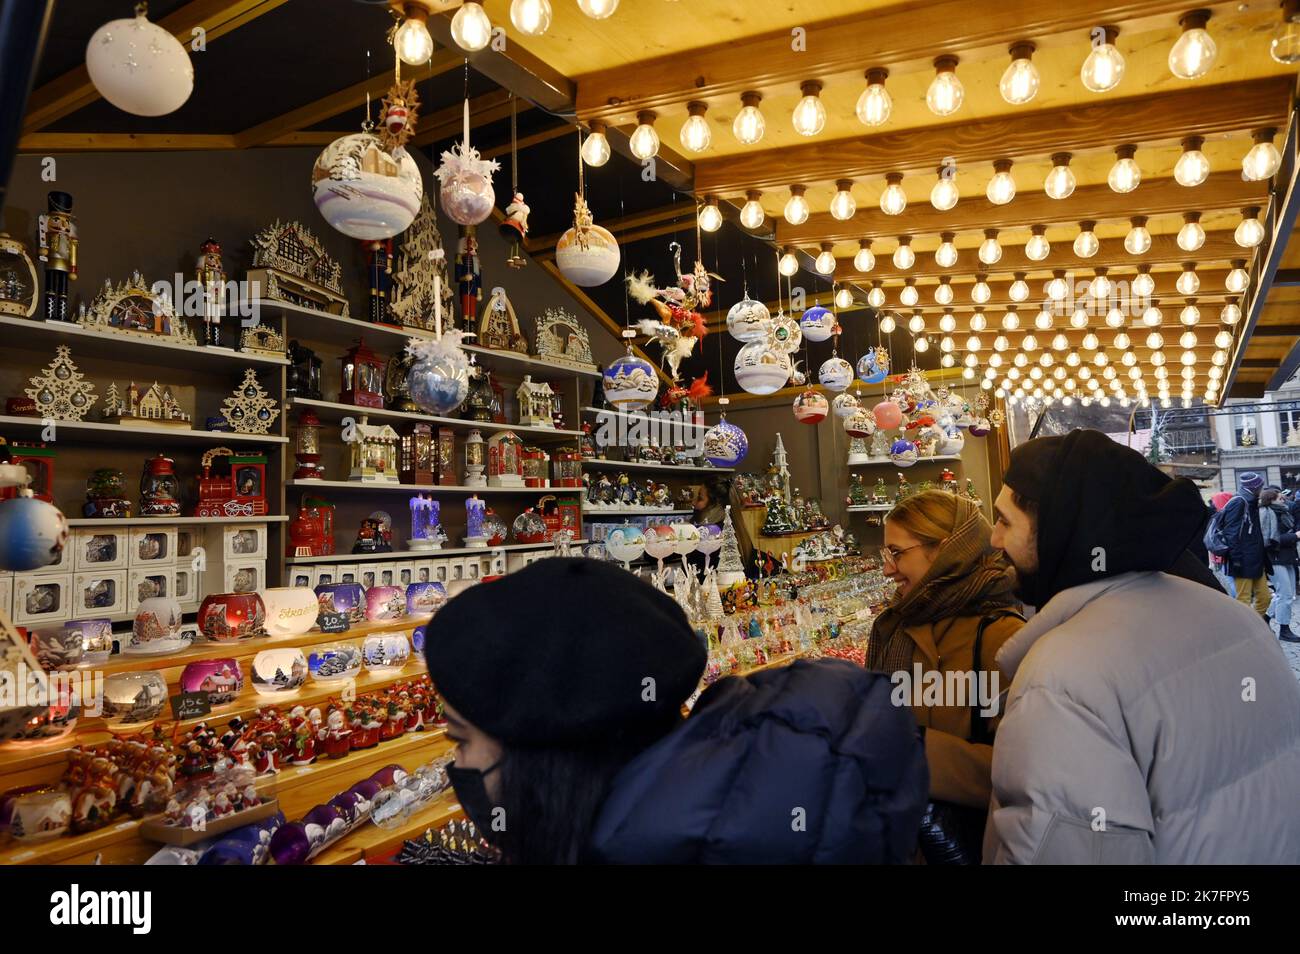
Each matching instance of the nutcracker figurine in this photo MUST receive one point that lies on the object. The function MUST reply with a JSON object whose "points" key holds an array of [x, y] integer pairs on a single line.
{"points": [[212, 279], [514, 229], [467, 275], [379, 259], [57, 231]]}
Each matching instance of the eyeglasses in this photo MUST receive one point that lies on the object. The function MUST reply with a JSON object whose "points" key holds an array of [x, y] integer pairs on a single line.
{"points": [[889, 556]]}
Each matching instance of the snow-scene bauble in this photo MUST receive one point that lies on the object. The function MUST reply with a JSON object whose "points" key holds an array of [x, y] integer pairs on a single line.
{"points": [[835, 374], [749, 320], [139, 67], [845, 405], [979, 427], [903, 453], [953, 441], [811, 407], [32, 534], [710, 539], [871, 369], [660, 541], [817, 323], [467, 195], [687, 538], [761, 369], [589, 260], [725, 444], [630, 383], [439, 379], [625, 543], [861, 423], [888, 415], [365, 191], [786, 334], [931, 432]]}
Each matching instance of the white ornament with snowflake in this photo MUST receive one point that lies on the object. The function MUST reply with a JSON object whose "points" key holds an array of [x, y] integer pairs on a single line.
{"points": [[62, 393], [249, 410]]}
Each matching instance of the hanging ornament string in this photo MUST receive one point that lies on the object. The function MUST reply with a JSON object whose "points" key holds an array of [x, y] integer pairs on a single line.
{"points": [[369, 123], [514, 145]]}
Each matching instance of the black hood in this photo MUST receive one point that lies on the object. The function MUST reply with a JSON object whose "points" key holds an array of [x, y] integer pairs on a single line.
{"points": [[1103, 510]]}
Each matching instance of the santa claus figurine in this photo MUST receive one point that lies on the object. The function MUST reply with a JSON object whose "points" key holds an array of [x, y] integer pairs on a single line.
{"points": [[514, 229]]}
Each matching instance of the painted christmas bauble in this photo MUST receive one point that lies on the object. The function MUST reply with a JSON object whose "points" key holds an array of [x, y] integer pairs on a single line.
{"points": [[438, 384], [139, 67], [32, 534], [845, 405], [817, 323], [980, 427], [687, 538], [749, 320], [786, 333], [871, 369], [761, 369], [625, 544], [365, 191], [953, 441], [630, 383], [888, 415], [725, 445], [467, 196], [811, 407], [835, 374], [710, 539], [860, 424], [660, 541], [590, 260], [903, 453]]}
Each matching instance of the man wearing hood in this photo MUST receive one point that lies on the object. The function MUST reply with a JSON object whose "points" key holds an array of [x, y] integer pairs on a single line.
{"points": [[1248, 560], [1150, 719]]}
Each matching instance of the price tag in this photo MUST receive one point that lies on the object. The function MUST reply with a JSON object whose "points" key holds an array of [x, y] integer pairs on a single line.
{"points": [[333, 622], [190, 705]]}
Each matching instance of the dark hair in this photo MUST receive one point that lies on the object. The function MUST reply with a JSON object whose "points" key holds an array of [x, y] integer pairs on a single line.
{"points": [[1030, 507]]}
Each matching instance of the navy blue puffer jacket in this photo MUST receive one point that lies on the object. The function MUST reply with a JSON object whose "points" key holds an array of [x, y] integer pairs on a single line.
{"points": [[810, 763]]}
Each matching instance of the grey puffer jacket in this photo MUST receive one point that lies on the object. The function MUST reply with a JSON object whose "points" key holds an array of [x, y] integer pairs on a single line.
{"points": [[1149, 720]]}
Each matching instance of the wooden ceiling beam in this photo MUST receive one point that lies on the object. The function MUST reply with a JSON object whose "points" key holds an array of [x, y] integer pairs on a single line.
{"points": [[49, 143], [902, 37], [449, 122], [1143, 119], [73, 90], [624, 224], [526, 142], [1096, 203]]}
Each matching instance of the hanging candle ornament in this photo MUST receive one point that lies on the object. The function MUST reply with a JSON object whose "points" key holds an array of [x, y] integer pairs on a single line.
{"points": [[749, 320], [586, 254], [817, 323], [630, 383], [903, 452], [860, 423], [762, 368], [139, 67], [835, 374], [466, 181], [845, 405], [439, 378], [811, 407], [888, 415], [873, 367], [725, 444]]}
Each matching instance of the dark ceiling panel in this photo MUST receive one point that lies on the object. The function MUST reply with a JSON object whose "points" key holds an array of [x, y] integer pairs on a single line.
{"points": [[75, 21]]}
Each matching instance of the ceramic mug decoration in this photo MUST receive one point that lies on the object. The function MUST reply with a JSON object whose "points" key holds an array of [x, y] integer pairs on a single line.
{"points": [[347, 598], [279, 670], [386, 652], [290, 610], [334, 663], [226, 617], [221, 679], [40, 816], [157, 628], [385, 603], [134, 697], [423, 599]]}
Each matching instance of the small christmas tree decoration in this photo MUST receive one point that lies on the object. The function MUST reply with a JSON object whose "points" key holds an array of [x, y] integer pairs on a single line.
{"points": [[731, 569], [61, 392], [249, 410]]}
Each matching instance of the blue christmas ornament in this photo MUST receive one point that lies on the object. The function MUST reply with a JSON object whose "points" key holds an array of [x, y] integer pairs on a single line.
{"points": [[439, 379], [630, 383], [873, 367], [725, 445], [817, 323], [32, 533]]}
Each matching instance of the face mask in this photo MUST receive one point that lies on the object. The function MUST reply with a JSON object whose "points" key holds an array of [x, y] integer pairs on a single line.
{"points": [[471, 791]]}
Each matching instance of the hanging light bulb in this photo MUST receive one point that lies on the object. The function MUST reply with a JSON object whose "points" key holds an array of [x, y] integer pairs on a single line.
{"points": [[1029, 344], [875, 105], [412, 41], [825, 263], [710, 214], [1189, 283], [945, 256], [1122, 341], [944, 195], [1020, 82], [1114, 317], [1190, 314], [876, 297], [751, 214], [843, 298], [1011, 320], [843, 205], [1143, 285], [980, 293], [788, 265], [995, 360], [947, 323], [470, 27], [916, 324], [810, 114], [1058, 288], [1155, 341], [796, 207], [945, 95], [1043, 321], [595, 148], [1263, 160], [921, 345], [1157, 361], [749, 125], [1060, 343], [1192, 167], [1037, 248], [973, 343], [1223, 340], [1250, 231], [1187, 340], [1079, 317], [909, 296], [943, 296], [695, 135], [1238, 279], [598, 9], [1060, 181], [1002, 188], [887, 323], [1231, 313], [1124, 175], [531, 17], [1138, 239], [893, 200], [1152, 316], [1191, 236], [977, 321], [1104, 66], [1000, 343], [644, 141], [1085, 243], [1019, 290], [990, 252], [1090, 342], [1193, 52], [904, 257], [863, 259], [1284, 46], [1046, 360]]}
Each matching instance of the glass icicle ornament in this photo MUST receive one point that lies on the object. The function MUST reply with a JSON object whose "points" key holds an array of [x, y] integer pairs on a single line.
{"points": [[1193, 52], [1124, 175], [749, 126], [946, 93], [875, 104], [1002, 187], [1104, 66]]}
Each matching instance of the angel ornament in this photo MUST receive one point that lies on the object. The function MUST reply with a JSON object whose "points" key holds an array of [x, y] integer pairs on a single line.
{"points": [[680, 324]]}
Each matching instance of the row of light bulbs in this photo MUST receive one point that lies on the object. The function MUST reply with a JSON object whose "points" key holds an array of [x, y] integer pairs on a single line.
{"points": [[1080, 319], [471, 28]]}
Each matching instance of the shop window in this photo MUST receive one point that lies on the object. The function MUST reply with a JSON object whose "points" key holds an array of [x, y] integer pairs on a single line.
{"points": [[1245, 433], [1288, 419], [1291, 478]]}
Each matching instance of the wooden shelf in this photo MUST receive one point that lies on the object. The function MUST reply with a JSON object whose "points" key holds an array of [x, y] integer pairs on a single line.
{"points": [[635, 416], [174, 521], [659, 468], [870, 508], [887, 462], [89, 343], [422, 554], [371, 842], [92, 433], [332, 412], [632, 511], [368, 486]]}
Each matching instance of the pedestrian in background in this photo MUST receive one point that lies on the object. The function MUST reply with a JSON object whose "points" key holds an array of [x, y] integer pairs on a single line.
{"points": [[1247, 560], [1277, 527]]}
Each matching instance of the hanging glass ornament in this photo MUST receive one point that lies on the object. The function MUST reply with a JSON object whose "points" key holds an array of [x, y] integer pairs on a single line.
{"points": [[466, 181], [845, 405], [817, 323], [439, 378], [786, 333], [980, 427], [873, 367], [725, 444], [32, 532], [630, 382], [761, 368], [811, 407], [835, 374], [903, 452], [861, 423], [749, 320], [953, 441], [139, 67], [586, 254], [888, 415]]}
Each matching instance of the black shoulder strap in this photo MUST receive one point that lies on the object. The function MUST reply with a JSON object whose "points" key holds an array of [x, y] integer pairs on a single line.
{"points": [[979, 730]]}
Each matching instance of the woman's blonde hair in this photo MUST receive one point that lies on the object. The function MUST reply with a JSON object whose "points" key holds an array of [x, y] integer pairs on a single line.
{"points": [[930, 516]]}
